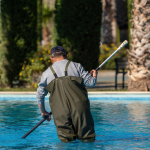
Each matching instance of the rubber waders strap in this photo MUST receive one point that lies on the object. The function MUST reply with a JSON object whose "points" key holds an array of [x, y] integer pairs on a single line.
{"points": [[66, 68], [54, 73]]}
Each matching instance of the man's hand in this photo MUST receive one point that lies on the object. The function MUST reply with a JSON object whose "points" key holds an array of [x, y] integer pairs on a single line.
{"points": [[94, 73], [46, 114]]}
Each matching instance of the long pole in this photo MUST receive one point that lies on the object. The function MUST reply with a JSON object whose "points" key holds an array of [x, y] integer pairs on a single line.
{"points": [[35, 126], [120, 47]]}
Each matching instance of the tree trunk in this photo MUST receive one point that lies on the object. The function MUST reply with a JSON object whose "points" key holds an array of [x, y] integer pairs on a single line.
{"points": [[108, 21], [139, 57], [140, 85]]}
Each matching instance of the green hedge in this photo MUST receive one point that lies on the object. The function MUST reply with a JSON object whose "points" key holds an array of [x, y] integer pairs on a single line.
{"points": [[19, 24], [77, 29]]}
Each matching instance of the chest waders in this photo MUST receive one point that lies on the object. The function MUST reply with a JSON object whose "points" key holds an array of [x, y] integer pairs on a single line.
{"points": [[70, 107]]}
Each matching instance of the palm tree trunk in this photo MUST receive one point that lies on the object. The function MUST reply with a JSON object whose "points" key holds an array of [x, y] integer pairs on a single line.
{"points": [[139, 56]]}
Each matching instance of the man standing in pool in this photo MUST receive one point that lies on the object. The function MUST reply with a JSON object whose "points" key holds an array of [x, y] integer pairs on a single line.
{"points": [[66, 81]]}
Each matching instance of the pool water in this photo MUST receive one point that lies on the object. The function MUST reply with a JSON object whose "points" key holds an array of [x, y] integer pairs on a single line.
{"points": [[118, 124]]}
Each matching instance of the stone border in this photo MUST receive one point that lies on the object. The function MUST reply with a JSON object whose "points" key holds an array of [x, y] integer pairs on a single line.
{"points": [[100, 92], [118, 92]]}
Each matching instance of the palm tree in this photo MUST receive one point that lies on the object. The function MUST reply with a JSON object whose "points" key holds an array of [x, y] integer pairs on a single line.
{"points": [[139, 56]]}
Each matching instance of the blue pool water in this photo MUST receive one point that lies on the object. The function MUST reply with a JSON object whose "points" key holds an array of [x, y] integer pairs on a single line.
{"points": [[121, 123]]}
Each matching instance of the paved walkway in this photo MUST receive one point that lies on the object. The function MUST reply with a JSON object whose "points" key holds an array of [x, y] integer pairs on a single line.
{"points": [[106, 80]]}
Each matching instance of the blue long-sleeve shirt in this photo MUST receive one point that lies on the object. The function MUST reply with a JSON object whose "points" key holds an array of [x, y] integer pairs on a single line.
{"points": [[74, 69]]}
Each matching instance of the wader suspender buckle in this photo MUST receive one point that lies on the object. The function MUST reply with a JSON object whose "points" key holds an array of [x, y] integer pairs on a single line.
{"points": [[54, 73]]}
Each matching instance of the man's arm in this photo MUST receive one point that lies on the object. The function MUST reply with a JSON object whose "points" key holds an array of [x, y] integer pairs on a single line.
{"points": [[41, 93], [44, 112], [88, 80]]}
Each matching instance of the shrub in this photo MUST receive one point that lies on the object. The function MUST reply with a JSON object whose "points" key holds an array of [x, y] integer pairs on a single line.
{"points": [[77, 29], [35, 64]]}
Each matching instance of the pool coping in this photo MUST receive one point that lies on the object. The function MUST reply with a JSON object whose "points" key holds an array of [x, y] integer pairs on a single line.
{"points": [[100, 92], [93, 96]]}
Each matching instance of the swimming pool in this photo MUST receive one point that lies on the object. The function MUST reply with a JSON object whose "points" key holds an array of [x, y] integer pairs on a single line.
{"points": [[122, 121]]}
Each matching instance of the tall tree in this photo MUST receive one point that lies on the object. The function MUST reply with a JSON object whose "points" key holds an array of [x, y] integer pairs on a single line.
{"points": [[139, 57], [77, 29], [19, 23]]}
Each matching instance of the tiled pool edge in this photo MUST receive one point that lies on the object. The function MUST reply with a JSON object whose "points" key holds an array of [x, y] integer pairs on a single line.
{"points": [[92, 96], [93, 92]]}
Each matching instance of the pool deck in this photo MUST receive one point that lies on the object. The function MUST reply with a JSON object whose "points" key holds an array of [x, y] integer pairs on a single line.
{"points": [[105, 85], [106, 80]]}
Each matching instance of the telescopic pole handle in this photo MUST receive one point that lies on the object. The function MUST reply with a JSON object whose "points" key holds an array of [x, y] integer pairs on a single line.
{"points": [[120, 47], [36, 126]]}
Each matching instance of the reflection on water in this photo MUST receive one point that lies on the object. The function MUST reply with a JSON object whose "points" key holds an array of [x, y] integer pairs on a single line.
{"points": [[138, 111], [118, 125]]}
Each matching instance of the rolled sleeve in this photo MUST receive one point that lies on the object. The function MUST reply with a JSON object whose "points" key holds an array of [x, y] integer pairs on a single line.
{"points": [[88, 80], [41, 92]]}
